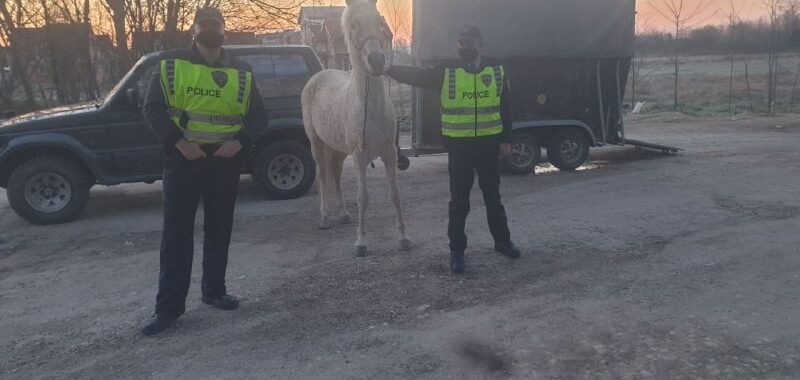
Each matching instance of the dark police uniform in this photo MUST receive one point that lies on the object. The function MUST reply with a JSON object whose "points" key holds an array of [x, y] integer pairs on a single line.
{"points": [[471, 148], [212, 179]]}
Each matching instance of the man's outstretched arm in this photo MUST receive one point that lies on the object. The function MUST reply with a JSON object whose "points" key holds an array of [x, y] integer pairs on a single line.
{"points": [[427, 78]]}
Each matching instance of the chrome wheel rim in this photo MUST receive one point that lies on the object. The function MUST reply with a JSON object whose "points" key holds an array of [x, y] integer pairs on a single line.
{"points": [[570, 150], [285, 171], [48, 192], [522, 155]]}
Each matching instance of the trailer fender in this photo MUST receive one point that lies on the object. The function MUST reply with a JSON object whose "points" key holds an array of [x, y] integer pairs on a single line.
{"points": [[542, 124]]}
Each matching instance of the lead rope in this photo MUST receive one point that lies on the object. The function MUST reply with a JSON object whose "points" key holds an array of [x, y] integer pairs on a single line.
{"points": [[366, 103]]}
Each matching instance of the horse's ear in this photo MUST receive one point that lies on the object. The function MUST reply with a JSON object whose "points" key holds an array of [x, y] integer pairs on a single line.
{"points": [[348, 2]]}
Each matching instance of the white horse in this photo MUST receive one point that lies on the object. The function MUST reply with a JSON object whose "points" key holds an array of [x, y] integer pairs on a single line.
{"points": [[351, 113]]}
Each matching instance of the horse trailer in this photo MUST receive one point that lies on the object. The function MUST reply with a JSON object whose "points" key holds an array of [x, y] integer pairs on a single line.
{"points": [[567, 60]]}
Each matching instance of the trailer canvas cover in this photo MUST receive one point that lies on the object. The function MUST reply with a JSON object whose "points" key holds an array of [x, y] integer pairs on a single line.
{"points": [[527, 28]]}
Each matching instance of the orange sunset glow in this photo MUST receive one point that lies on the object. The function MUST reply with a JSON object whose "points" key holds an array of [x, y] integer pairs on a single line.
{"points": [[398, 13]]}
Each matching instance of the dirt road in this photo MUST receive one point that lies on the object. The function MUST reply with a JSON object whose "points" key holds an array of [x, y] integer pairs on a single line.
{"points": [[641, 266]]}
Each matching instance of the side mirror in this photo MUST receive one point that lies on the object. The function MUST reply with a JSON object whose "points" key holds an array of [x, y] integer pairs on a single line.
{"points": [[133, 97]]}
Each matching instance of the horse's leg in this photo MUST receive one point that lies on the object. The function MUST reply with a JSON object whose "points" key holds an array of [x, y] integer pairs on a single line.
{"points": [[341, 207], [361, 161], [389, 159], [318, 151]]}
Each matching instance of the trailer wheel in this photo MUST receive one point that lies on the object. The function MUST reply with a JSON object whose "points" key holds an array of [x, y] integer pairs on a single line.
{"points": [[525, 154], [568, 149]]}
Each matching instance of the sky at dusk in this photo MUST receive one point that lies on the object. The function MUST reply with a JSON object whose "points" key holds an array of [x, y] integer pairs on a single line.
{"points": [[715, 13]]}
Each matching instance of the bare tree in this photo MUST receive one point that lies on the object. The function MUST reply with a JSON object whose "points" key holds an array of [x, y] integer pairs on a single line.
{"points": [[262, 15], [15, 15], [642, 24], [118, 10], [773, 8], [397, 15], [733, 20], [681, 16], [81, 78]]}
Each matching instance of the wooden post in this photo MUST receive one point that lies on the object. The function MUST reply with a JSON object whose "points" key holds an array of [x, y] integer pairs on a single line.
{"points": [[794, 88], [730, 90], [747, 78]]}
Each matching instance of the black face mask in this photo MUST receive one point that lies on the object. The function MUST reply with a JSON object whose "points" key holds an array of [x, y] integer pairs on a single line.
{"points": [[210, 39], [468, 55]]}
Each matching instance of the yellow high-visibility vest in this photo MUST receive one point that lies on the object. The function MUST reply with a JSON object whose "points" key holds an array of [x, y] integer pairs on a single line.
{"points": [[471, 102], [208, 103]]}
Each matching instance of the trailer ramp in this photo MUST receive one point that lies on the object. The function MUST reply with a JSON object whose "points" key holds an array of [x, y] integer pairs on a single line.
{"points": [[646, 145]]}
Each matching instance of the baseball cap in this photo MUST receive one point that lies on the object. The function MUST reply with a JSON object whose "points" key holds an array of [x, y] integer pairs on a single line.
{"points": [[208, 13], [470, 33]]}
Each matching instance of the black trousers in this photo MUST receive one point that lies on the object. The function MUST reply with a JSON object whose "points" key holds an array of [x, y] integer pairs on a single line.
{"points": [[215, 181], [465, 158]]}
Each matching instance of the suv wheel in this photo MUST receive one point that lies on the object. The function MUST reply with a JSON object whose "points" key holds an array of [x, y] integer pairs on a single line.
{"points": [[284, 169], [569, 149], [48, 190], [525, 154]]}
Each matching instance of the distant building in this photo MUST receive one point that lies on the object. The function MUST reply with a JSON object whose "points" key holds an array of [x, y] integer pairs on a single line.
{"points": [[321, 28], [318, 31], [62, 61], [241, 38], [286, 37], [150, 41]]}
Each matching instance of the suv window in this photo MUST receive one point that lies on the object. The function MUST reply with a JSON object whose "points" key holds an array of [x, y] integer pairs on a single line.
{"points": [[292, 73], [278, 75], [144, 81]]}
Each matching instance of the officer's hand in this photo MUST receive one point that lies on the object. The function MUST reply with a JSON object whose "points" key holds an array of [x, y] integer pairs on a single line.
{"points": [[190, 151], [228, 149], [505, 150]]}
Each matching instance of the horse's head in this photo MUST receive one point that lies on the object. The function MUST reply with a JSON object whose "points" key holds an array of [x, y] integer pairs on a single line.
{"points": [[364, 30]]}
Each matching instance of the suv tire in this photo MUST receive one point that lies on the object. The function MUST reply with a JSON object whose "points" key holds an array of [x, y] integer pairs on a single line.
{"points": [[284, 169], [48, 190]]}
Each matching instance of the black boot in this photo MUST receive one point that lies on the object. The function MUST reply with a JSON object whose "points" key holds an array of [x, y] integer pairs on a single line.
{"points": [[457, 262], [402, 162], [157, 325], [224, 302], [508, 250]]}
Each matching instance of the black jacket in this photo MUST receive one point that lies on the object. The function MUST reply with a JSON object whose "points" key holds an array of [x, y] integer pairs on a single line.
{"points": [[433, 78], [155, 104]]}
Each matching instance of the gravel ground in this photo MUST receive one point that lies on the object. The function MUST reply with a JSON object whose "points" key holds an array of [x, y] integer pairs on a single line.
{"points": [[640, 266]]}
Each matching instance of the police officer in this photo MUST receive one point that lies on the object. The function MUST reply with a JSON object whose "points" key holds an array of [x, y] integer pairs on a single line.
{"points": [[203, 104], [476, 129]]}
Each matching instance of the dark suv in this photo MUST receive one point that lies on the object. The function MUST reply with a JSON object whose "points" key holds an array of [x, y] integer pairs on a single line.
{"points": [[50, 159]]}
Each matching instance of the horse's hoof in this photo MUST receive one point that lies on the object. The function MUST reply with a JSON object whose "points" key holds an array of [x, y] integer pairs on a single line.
{"points": [[405, 244], [345, 219], [361, 251]]}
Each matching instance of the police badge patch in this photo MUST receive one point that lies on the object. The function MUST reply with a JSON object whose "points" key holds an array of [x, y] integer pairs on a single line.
{"points": [[220, 78], [486, 79]]}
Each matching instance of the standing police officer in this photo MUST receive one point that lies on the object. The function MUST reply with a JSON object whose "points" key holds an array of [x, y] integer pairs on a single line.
{"points": [[203, 104], [476, 129]]}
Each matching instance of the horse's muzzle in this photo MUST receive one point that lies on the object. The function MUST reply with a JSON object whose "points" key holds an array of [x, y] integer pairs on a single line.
{"points": [[377, 61]]}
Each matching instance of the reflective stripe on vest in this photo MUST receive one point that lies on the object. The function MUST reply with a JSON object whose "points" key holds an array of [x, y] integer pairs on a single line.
{"points": [[471, 102], [208, 103], [209, 119]]}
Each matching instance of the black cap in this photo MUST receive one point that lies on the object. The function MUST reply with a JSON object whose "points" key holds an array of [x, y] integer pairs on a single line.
{"points": [[208, 13], [470, 32]]}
